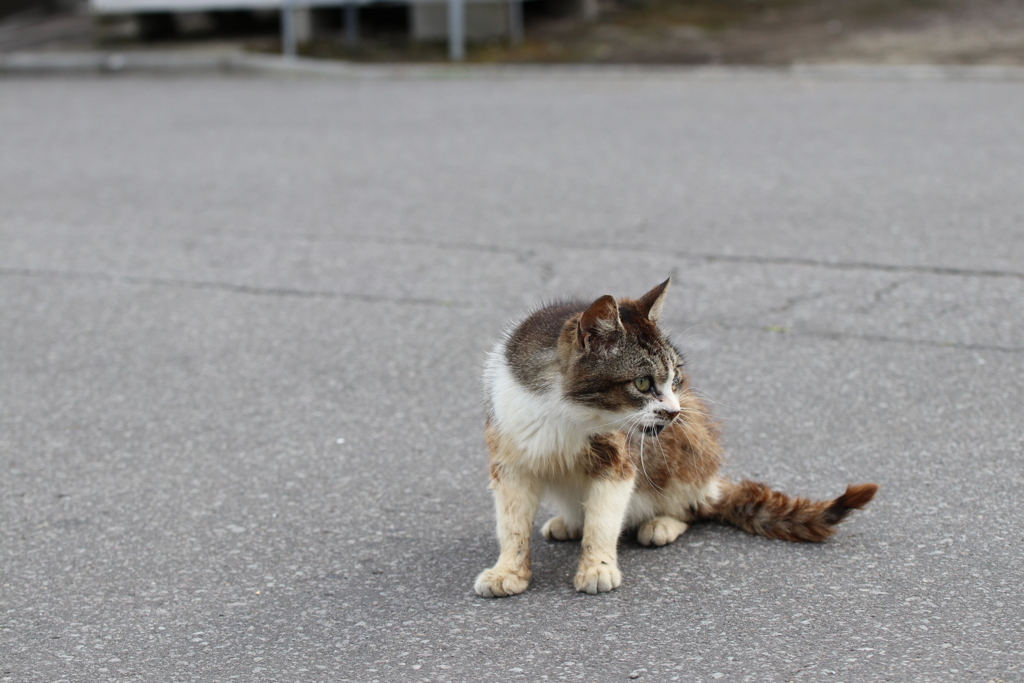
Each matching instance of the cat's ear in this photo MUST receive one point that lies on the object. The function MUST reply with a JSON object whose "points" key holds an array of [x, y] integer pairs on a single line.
{"points": [[599, 326], [652, 301]]}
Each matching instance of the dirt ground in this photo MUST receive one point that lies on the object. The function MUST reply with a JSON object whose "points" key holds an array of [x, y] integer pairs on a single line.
{"points": [[770, 32], [801, 31]]}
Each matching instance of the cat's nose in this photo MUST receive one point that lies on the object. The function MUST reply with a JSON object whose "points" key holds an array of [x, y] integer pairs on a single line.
{"points": [[668, 414]]}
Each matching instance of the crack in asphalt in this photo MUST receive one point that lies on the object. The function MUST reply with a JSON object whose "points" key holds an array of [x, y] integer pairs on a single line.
{"points": [[793, 301], [876, 338], [878, 296], [285, 292], [707, 257], [860, 265]]}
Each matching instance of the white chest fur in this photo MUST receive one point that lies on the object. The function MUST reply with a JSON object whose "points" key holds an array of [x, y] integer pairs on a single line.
{"points": [[547, 430]]}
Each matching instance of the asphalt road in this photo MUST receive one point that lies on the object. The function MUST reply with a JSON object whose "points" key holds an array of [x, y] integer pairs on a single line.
{"points": [[242, 322]]}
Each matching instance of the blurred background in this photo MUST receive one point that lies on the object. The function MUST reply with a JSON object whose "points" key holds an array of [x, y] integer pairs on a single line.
{"points": [[768, 32]]}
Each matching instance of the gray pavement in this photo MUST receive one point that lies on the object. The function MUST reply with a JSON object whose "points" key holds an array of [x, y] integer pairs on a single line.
{"points": [[242, 319]]}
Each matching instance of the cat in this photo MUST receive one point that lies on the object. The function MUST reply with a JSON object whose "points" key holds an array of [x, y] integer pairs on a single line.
{"points": [[588, 404]]}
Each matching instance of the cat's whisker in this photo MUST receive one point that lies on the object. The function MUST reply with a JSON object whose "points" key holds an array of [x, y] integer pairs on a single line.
{"points": [[704, 395], [643, 467], [664, 458], [698, 411], [688, 425], [701, 439], [698, 436], [692, 394], [686, 336], [692, 435], [694, 411], [617, 420], [638, 424], [634, 426]]}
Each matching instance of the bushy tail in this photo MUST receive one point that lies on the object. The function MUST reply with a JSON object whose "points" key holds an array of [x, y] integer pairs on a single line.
{"points": [[757, 509]]}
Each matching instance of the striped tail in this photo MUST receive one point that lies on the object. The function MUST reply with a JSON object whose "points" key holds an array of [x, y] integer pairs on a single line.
{"points": [[757, 509]]}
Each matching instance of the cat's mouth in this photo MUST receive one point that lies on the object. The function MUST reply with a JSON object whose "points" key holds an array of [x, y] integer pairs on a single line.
{"points": [[653, 430]]}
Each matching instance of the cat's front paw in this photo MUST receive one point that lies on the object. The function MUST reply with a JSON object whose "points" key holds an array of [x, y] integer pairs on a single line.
{"points": [[555, 529], [660, 531], [599, 577], [499, 582]]}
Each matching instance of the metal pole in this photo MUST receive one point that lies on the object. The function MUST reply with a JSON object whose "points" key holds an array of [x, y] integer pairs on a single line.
{"points": [[456, 30], [351, 24], [515, 22], [288, 40]]}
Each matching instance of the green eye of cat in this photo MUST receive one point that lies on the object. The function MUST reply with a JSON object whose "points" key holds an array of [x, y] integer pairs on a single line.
{"points": [[642, 383]]}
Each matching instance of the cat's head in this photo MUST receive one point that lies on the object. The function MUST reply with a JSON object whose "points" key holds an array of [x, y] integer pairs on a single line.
{"points": [[617, 359]]}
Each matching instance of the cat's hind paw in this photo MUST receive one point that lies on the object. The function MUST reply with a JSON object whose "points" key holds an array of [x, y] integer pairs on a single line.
{"points": [[499, 583], [555, 529], [599, 577], [660, 531]]}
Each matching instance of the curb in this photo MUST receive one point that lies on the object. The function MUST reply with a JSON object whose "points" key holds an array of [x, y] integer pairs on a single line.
{"points": [[113, 62], [236, 62]]}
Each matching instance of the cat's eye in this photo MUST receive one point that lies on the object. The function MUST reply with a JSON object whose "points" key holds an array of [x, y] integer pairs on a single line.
{"points": [[642, 383]]}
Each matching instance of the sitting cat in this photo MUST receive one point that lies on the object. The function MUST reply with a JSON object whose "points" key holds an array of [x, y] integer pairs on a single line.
{"points": [[588, 404]]}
